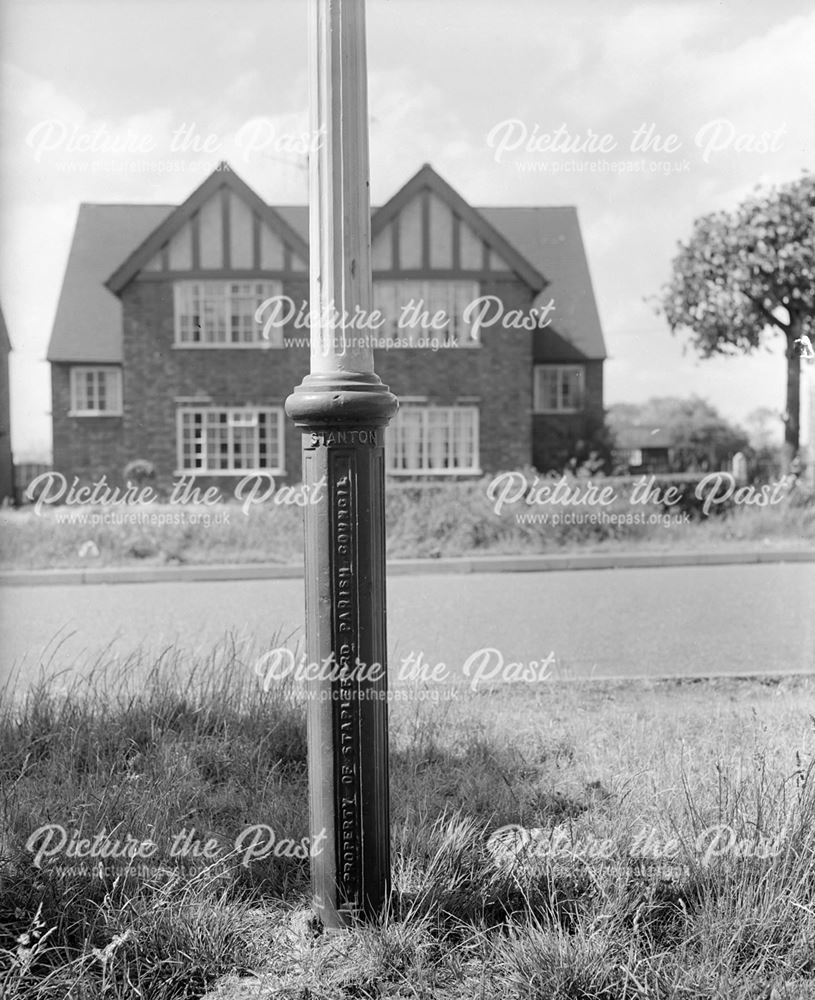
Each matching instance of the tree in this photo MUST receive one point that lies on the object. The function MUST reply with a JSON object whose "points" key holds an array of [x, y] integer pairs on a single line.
{"points": [[766, 430], [762, 426], [700, 437], [745, 273]]}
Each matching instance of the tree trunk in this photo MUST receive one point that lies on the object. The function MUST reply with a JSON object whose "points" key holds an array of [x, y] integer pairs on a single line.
{"points": [[792, 423]]}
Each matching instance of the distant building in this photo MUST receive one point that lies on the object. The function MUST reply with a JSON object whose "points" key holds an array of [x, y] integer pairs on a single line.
{"points": [[6, 460], [156, 352], [643, 450]]}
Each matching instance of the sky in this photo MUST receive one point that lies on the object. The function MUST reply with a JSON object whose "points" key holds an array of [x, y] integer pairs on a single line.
{"points": [[124, 101]]}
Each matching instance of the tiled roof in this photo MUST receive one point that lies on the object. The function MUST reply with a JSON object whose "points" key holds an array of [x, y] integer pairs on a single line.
{"points": [[88, 323], [640, 436], [551, 239], [5, 343]]}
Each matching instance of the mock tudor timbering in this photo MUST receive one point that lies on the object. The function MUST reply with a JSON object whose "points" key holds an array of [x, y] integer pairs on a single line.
{"points": [[172, 357]]}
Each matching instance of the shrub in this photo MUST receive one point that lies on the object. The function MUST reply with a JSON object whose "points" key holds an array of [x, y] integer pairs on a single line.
{"points": [[138, 471]]}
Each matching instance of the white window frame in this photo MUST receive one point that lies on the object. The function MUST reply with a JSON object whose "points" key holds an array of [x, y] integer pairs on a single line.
{"points": [[561, 373], [394, 448], [219, 293], [450, 295], [237, 418], [79, 398]]}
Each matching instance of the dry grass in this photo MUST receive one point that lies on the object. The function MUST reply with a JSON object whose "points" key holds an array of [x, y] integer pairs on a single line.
{"points": [[202, 745]]}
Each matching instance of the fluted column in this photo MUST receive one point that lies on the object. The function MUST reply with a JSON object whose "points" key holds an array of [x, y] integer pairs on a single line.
{"points": [[343, 408]]}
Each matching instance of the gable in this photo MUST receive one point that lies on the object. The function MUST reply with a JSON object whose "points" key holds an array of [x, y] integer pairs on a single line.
{"points": [[428, 235], [427, 226], [226, 235], [88, 322], [223, 228]]}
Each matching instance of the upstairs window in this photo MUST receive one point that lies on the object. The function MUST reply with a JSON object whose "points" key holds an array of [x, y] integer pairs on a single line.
{"points": [[436, 440], [224, 440], [559, 388], [222, 314], [426, 299], [96, 391]]}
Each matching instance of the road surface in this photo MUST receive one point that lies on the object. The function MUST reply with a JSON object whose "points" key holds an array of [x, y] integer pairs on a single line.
{"points": [[603, 623]]}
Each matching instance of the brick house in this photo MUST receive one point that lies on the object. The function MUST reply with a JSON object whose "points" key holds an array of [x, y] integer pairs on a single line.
{"points": [[181, 330]]}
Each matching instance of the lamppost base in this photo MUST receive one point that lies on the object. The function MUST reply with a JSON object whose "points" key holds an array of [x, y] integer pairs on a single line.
{"points": [[343, 418], [341, 398]]}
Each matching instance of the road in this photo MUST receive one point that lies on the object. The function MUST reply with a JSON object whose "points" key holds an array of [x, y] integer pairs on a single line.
{"points": [[604, 623]]}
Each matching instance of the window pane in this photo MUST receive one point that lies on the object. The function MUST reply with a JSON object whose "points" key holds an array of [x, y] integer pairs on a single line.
{"points": [[96, 390], [559, 387], [408, 443], [438, 299], [433, 439], [572, 388], [410, 296], [438, 438], [428, 299], [550, 389], [235, 439], [465, 292], [222, 312], [464, 438], [115, 390]]}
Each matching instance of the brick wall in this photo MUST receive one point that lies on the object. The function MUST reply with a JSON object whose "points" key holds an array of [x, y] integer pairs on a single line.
{"points": [[156, 374], [557, 436], [85, 447], [497, 373]]}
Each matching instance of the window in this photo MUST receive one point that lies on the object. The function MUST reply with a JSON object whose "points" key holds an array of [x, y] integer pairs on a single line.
{"points": [[635, 457], [433, 440], [237, 440], [426, 299], [222, 314], [96, 391], [558, 388]]}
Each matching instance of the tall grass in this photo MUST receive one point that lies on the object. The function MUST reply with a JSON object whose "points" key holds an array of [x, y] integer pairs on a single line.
{"points": [[199, 743], [430, 520]]}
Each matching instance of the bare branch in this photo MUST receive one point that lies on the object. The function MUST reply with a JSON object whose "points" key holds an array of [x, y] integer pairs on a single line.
{"points": [[765, 312]]}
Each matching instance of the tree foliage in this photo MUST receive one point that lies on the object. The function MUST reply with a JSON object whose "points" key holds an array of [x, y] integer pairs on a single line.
{"points": [[748, 273], [700, 437]]}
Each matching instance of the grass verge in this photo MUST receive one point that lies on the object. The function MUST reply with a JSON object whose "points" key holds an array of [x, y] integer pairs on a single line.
{"points": [[661, 842]]}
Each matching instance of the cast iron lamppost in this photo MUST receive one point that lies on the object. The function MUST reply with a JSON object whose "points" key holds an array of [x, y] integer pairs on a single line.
{"points": [[343, 409]]}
